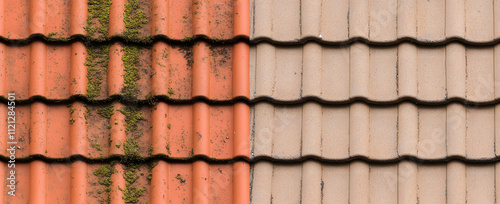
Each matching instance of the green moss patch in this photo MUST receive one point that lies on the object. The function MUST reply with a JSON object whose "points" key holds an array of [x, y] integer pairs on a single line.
{"points": [[131, 148], [97, 63], [130, 60], [134, 19], [98, 11], [106, 111], [104, 174], [132, 117]]}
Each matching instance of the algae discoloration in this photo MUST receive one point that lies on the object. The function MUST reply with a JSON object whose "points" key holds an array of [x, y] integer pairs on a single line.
{"points": [[132, 117], [106, 111], [97, 63], [98, 11], [134, 19]]}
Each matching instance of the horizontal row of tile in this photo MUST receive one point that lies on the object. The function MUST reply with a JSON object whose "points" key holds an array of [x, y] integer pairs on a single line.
{"points": [[375, 132], [39, 183], [377, 73], [61, 71], [60, 131], [375, 20], [358, 182], [136, 19]]}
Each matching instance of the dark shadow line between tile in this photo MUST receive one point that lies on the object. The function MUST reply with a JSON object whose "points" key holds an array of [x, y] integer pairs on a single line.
{"points": [[261, 99], [393, 43], [279, 161]]}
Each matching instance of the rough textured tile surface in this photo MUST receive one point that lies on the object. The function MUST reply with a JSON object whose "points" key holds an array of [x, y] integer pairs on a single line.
{"points": [[378, 133], [405, 182], [378, 74], [100, 19], [157, 182], [378, 21]]}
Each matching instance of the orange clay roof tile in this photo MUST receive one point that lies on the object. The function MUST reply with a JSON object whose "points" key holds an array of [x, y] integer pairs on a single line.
{"points": [[178, 20], [55, 123], [57, 72], [162, 182]]}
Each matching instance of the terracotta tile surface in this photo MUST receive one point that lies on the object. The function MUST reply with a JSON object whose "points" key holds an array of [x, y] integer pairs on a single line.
{"points": [[179, 20], [99, 131], [337, 74], [377, 21], [159, 182], [61, 71], [100, 96]]}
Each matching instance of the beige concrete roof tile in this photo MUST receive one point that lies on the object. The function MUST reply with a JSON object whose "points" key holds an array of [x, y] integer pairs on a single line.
{"points": [[479, 20], [374, 132], [375, 20], [359, 182], [381, 74]]}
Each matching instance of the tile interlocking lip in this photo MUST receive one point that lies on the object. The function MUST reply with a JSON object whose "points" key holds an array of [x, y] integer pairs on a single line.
{"points": [[373, 74], [357, 182], [178, 20], [177, 131], [360, 131], [41, 182], [375, 21]]}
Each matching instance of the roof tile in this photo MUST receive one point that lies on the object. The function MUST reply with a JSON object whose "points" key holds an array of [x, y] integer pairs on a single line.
{"points": [[99, 131], [375, 20], [383, 75], [377, 133], [394, 183], [179, 20], [78, 182], [60, 71]]}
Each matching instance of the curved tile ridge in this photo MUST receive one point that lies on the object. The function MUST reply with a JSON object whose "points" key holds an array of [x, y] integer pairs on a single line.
{"points": [[132, 19], [377, 21], [377, 133], [57, 72], [386, 74]]}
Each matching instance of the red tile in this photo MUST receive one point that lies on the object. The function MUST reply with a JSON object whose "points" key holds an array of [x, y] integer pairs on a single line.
{"points": [[179, 20]]}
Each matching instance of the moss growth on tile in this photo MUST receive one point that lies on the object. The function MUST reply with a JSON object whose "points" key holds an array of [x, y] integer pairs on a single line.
{"points": [[179, 177], [71, 110], [134, 19], [171, 91], [71, 121], [130, 60], [169, 126], [104, 174], [131, 148], [96, 62], [132, 117], [97, 146], [98, 10], [106, 111], [52, 34], [118, 145]]}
